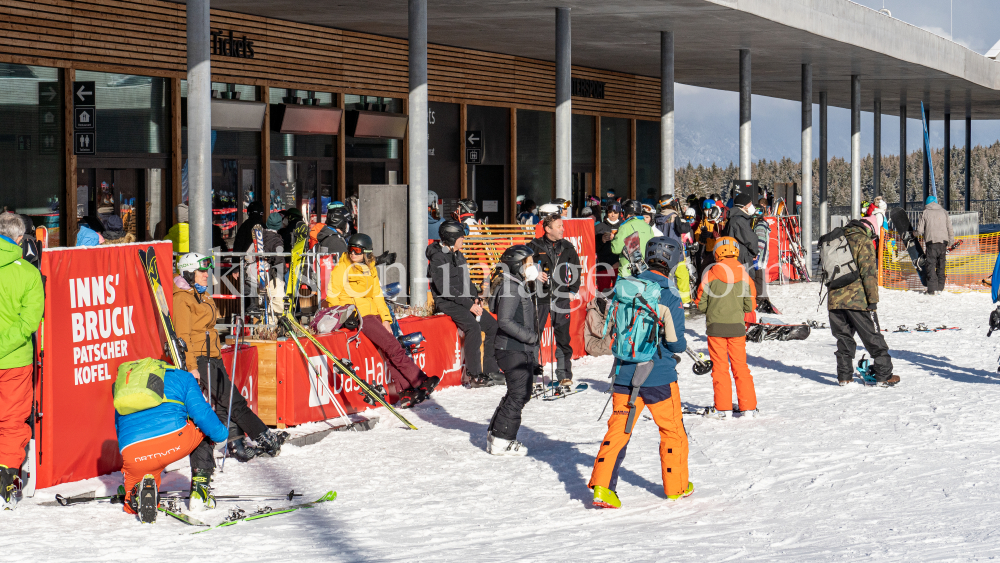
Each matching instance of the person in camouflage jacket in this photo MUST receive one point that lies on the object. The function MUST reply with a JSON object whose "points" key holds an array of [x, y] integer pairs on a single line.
{"points": [[853, 309]]}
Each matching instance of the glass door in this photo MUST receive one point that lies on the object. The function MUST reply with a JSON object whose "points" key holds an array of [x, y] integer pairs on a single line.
{"points": [[135, 197]]}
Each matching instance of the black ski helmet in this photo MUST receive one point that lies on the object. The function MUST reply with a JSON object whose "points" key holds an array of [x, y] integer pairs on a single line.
{"points": [[613, 207], [338, 218], [450, 231], [663, 252], [362, 241], [514, 257], [467, 206], [631, 208]]}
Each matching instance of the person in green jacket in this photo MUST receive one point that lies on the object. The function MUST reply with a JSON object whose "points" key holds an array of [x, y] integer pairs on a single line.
{"points": [[21, 304], [633, 223]]}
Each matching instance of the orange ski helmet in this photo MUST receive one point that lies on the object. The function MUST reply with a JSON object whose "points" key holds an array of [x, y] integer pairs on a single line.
{"points": [[726, 247]]}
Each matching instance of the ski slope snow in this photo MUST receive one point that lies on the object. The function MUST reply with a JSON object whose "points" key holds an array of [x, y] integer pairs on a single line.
{"points": [[826, 473]]}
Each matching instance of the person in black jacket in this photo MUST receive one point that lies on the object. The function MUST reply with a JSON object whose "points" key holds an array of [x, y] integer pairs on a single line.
{"points": [[740, 227], [244, 235], [332, 239], [559, 277], [455, 296], [516, 343]]}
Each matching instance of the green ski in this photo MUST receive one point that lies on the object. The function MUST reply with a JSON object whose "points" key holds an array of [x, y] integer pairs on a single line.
{"points": [[237, 515]]}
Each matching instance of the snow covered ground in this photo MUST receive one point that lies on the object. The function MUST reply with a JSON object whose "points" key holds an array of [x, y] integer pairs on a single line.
{"points": [[910, 473]]}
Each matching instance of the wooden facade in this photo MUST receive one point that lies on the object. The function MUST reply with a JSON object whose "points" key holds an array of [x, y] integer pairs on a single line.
{"points": [[148, 38]]}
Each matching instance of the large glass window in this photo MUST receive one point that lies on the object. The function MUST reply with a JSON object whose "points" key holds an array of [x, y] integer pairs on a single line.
{"points": [[488, 183], [31, 143], [443, 150], [303, 166], [372, 161], [615, 156], [583, 161], [535, 154], [131, 113], [647, 159]]}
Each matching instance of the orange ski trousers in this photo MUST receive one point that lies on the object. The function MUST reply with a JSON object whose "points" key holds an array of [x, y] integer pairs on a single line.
{"points": [[152, 456], [15, 408], [667, 414], [726, 354]]}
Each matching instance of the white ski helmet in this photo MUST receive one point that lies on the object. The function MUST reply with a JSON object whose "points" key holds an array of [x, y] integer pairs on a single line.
{"points": [[193, 261], [549, 209]]}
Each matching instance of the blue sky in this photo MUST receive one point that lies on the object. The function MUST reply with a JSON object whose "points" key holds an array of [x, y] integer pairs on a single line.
{"points": [[707, 120]]}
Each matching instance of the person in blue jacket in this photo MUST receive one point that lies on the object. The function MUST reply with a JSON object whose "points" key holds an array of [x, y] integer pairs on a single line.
{"points": [[152, 439], [659, 392]]}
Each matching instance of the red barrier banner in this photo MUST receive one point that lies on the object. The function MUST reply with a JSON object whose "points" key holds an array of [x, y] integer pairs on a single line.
{"points": [[244, 377], [99, 313], [580, 232], [306, 395]]}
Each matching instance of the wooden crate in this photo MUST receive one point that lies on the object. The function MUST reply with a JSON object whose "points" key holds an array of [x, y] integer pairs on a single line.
{"points": [[267, 380]]}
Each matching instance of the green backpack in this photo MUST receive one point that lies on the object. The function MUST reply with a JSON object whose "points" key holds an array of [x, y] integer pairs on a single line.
{"points": [[139, 386]]}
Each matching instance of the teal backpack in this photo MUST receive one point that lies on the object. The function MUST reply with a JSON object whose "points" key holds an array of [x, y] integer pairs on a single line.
{"points": [[632, 321]]}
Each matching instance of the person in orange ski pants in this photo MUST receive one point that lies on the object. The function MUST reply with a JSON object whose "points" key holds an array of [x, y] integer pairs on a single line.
{"points": [[725, 295]]}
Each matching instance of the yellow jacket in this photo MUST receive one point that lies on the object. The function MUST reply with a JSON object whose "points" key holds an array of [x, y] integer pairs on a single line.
{"points": [[358, 285], [178, 234]]}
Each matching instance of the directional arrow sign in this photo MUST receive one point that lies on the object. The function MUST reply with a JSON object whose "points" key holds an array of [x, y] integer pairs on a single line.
{"points": [[83, 94], [48, 94], [474, 139]]}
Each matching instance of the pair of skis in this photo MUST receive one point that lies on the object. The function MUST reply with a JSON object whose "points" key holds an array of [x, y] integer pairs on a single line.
{"points": [[288, 321]]}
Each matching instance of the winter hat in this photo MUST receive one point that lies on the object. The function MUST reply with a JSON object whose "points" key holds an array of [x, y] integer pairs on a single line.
{"points": [[182, 213], [930, 199], [113, 223], [87, 237], [274, 221], [742, 199]]}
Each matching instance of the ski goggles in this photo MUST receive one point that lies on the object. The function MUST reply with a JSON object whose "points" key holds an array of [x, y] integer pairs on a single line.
{"points": [[206, 264], [357, 250]]}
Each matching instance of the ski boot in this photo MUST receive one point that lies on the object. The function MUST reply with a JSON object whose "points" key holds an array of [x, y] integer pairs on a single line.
{"points": [[145, 499], [408, 399], [565, 385], [501, 447], [427, 387], [749, 414], [201, 490], [269, 442], [480, 380], [889, 382], [606, 498], [710, 412], [242, 451], [497, 378], [687, 492], [8, 490]]}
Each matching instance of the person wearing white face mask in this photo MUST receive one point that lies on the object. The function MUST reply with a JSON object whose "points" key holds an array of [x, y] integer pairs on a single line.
{"points": [[516, 342], [740, 227]]}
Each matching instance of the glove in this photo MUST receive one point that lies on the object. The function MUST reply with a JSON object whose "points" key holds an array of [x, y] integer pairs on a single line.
{"points": [[873, 307], [387, 258], [538, 370]]}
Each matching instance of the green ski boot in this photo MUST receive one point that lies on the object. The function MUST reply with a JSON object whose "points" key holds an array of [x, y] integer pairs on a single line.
{"points": [[606, 498], [201, 490], [687, 492]]}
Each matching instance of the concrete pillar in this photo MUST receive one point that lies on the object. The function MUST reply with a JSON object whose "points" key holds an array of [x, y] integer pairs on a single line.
{"points": [[564, 108], [855, 147], [902, 155], [927, 168], [877, 157], [807, 183], [199, 111], [417, 152], [745, 114], [946, 185], [968, 162], [667, 113], [824, 204]]}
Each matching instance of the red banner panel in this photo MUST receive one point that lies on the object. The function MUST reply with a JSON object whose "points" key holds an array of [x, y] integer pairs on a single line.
{"points": [[99, 313], [580, 232], [244, 378], [307, 395]]}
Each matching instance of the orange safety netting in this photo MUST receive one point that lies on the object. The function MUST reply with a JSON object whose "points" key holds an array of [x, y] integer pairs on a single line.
{"points": [[969, 266]]}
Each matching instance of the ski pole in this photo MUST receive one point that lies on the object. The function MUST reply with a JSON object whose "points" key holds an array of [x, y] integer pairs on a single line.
{"points": [[232, 387]]}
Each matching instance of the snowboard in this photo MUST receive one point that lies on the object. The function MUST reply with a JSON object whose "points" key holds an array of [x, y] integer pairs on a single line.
{"points": [[901, 224], [773, 328], [633, 253]]}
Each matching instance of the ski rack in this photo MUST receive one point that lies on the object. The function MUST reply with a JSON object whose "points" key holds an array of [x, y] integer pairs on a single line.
{"points": [[219, 277]]}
